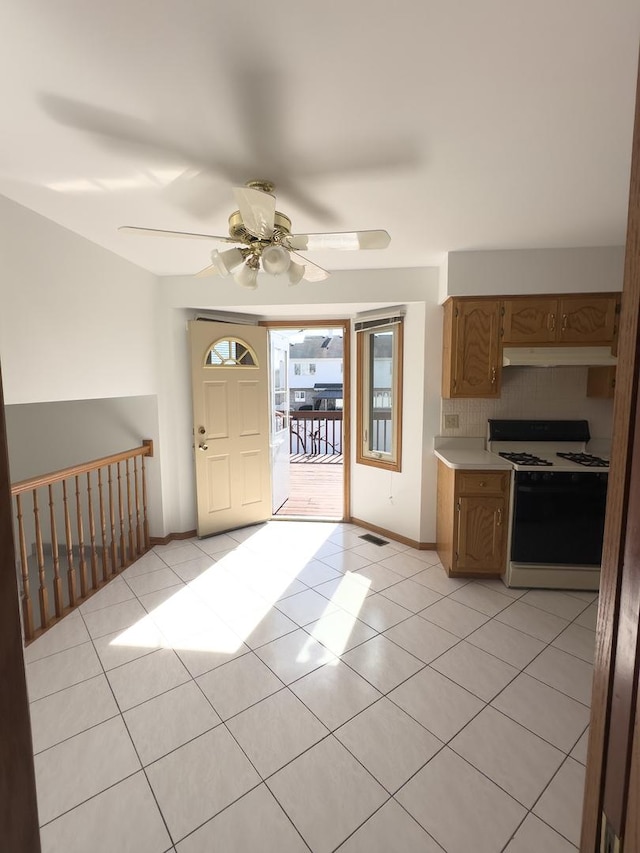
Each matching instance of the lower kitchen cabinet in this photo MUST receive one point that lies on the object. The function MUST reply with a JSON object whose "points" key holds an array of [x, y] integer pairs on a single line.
{"points": [[472, 521]]}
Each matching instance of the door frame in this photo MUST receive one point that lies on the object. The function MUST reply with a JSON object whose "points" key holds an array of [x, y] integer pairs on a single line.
{"points": [[19, 808], [345, 325], [613, 757]]}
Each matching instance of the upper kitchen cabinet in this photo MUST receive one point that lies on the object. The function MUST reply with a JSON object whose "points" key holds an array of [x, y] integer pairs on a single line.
{"points": [[471, 348], [577, 320], [584, 319], [530, 321]]}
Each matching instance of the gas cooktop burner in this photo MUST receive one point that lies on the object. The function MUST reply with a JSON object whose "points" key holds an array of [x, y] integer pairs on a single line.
{"points": [[525, 459], [585, 459]]}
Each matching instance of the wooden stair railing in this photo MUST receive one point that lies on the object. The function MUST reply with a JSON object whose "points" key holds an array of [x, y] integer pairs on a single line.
{"points": [[98, 511]]}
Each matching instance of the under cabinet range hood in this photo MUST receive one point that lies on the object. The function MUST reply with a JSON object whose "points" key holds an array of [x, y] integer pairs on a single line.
{"points": [[557, 356]]}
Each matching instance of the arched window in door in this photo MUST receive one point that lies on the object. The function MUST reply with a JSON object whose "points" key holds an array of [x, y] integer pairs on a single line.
{"points": [[231, 352]]}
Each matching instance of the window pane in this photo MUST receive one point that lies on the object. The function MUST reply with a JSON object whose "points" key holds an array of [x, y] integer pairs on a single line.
{"points": [[229, 352], [380, 391], [380, 396]]}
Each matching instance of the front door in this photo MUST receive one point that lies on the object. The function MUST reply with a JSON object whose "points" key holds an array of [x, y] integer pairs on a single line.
{"points": [[230, 379]]}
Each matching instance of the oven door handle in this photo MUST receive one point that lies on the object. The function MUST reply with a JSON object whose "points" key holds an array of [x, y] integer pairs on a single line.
{"points": [[560, 489]]}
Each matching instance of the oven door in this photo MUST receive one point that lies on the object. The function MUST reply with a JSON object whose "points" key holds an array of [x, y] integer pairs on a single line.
{"points": [[558, 517]]}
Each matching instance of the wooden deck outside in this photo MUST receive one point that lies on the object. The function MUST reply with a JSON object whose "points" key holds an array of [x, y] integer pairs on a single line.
{"points": [[317, 488]]}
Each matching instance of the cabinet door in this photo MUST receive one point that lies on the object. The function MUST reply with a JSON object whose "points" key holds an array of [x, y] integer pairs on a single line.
{"points": [[601, 382], [481, 536], [529, 321], [587, 320], [476, 348]]}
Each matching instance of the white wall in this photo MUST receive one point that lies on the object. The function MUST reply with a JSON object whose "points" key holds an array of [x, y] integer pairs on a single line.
{"points": [[385, 498], [175, 416], [432, 381], [76, 321], [77, 324], [503, 273]]}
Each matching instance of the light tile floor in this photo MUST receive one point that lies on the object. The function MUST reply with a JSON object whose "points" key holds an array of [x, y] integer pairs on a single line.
{"points": [[290, 687]]}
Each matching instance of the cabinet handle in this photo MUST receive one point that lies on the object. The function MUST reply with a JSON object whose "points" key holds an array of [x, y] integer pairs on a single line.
{"points": [[482, 483], [551, 322], [565, 318], [493, 376], [499, 521]]}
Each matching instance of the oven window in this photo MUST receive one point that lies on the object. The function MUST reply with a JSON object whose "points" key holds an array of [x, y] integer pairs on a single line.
{"points": [[559, 519]]}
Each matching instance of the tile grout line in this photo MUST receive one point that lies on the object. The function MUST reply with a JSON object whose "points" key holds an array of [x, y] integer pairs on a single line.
{"points": [[383, 695], [135, 748]]}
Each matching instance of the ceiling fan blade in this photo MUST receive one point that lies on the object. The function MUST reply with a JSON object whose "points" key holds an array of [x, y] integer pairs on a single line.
{"points": [[210, 270], [159, 232], [258, 210], [340, 240], [312, 272]]}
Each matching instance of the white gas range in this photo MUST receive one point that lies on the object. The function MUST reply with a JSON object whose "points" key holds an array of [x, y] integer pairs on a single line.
{"points": [[558, 503]]}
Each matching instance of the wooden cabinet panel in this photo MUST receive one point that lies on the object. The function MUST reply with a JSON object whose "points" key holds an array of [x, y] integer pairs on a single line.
{"points": [[445, 515], [480, 542], [475, 349], [482, 482], [530, 321], [601, 382], [571, 319], [471, 528], [586, 319]]}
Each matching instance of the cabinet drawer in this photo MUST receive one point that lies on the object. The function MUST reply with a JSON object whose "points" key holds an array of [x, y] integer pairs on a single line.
{"points": [[482, 482]]}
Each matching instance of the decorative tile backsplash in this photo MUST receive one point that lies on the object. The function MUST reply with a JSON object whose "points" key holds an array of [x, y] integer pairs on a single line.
{"points": [[533, 392]]}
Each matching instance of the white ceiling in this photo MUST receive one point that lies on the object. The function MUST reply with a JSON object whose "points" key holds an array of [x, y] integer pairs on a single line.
{"points": [[455, 125]]}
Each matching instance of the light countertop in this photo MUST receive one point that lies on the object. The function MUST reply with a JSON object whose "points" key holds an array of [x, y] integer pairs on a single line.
{"points": [[468, 453]]}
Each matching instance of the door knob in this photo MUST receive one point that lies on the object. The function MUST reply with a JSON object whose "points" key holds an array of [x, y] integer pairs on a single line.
{"points": [[203, 446]]}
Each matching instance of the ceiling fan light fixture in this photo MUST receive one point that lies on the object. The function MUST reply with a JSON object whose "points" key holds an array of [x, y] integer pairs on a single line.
{"points": [[226, 262], [275, 260], [246, 276], [296, 271]]}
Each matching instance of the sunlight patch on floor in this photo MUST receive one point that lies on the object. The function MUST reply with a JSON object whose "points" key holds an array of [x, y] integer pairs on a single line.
{"points": [[220, 609], [335, 633]]}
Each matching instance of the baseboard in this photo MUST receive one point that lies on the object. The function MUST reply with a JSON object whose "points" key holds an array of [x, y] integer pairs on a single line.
{"points": [[419, 546], [164, 540]]}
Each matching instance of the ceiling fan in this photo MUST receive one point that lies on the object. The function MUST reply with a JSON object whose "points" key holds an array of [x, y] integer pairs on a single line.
{"points": [[266, 242]]}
